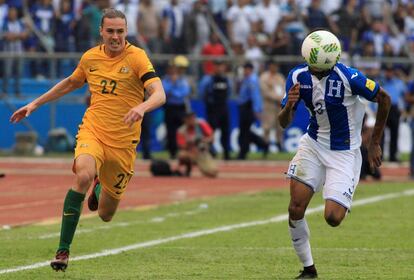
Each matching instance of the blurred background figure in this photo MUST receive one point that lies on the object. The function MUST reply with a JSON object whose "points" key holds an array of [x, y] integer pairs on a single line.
{"points": [[177, 90], [149, 25], [64, 35], [214, 48], [44, 18], [215, 90], [240, 17], [130, 9], [197, 27], [272, 85], [14, 32], [254, 53], [397, 89], [250, 109], [315, 18], [194, 138], [65, 24], [173, 28]]}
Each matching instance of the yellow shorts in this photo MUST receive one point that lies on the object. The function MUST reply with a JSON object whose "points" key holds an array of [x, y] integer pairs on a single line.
{"points": [[114, 166]]}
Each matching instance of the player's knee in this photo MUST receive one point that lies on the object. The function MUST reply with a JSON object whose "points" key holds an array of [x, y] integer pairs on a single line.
{"points": [[84, 179], [296, 211], [332, 219]]}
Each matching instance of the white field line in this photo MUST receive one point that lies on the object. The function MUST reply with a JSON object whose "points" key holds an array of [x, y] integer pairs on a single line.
{"points": [[151, 243], [281, 249], [158, 219]]}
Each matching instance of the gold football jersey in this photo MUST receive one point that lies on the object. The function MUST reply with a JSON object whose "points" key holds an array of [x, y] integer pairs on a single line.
{"points": [[116, 85]]}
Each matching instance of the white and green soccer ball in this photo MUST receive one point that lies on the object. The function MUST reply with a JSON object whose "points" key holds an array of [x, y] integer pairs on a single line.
{"points": [[321, 49]]}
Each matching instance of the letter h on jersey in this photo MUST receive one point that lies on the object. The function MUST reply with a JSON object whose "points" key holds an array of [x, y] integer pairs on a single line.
{"points": [[336, 88]]}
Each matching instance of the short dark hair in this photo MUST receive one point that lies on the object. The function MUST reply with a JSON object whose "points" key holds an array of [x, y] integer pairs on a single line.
{"points": [[112, 13], [248, 64]]}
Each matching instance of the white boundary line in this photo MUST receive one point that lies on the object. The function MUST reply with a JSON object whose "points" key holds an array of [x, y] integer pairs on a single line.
{"points": [[159, 219], [151, 243]]}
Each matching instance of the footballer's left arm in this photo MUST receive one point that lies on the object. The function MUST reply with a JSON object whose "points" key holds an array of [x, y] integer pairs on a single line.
{"points": [[156, 98], [374, 149]]}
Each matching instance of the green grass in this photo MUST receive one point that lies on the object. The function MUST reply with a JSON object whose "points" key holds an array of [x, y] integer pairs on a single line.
{"points": [[374, 242]]}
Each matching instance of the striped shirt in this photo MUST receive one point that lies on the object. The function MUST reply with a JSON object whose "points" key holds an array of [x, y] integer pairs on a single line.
{"points": [[336, 111]]}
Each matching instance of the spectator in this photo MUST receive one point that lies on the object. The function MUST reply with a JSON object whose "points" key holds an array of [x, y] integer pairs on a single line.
{"points": [[219, 8], [13, 34], [280, 40], [177, 90], [315, 18], [372, 65], [149, 27], [131, 12], [83, 30], [330, 6], [270, 14], [291, 14], [282, 43], [4, 7], [91, 14], [197, 28], [215, 90], [254, 52], [214, 48], [409, 20], [194, 138], [65, 24], [44, 18], [378, 34], [173, 28], [240, 16], [250, 109], [397, 89], [262, 38], [271, 88], [64, 35], [348, 32], [377, 8]]}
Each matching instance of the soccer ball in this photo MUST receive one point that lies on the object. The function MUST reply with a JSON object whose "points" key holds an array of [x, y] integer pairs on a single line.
{"points": [[321, 49]]}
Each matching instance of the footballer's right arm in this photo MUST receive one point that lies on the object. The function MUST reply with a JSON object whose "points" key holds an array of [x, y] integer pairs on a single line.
{"points": [[60, 89], [286, 114], [374, 147]]}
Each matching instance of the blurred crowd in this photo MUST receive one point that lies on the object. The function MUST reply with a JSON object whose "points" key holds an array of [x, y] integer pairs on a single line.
{"points": [[253, 29]]}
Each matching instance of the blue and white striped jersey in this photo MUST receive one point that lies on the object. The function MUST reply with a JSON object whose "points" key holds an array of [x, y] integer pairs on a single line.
{"points": [[336, 111]]}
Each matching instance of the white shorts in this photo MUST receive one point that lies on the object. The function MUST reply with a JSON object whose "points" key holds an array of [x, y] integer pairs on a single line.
{"points": [[337, 171]]}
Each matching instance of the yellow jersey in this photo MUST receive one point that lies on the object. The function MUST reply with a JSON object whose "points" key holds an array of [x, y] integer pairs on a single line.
{"points": [[116, 85]]}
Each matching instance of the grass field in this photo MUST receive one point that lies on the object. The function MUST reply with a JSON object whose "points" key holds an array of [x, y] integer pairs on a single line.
{"points": [[232, 237]]}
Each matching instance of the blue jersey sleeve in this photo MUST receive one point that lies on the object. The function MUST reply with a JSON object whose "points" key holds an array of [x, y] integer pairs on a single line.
{"points": [[361, 85], [289, 85]]}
